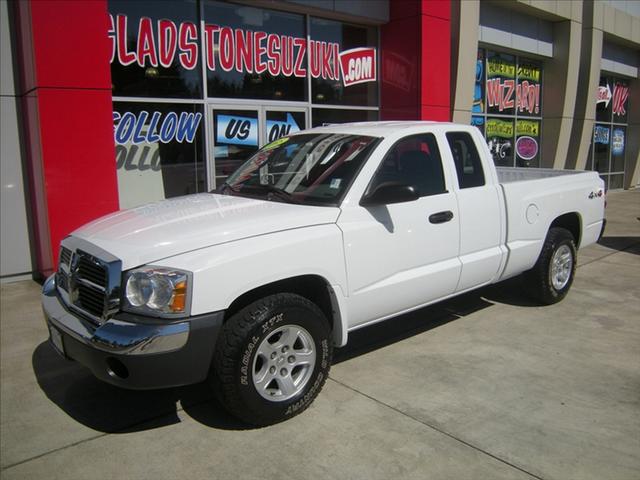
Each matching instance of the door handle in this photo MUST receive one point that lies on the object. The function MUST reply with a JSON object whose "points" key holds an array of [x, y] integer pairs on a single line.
{"points": [[441, 217]]}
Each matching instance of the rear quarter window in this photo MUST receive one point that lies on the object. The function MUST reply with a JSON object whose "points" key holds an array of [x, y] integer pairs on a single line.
{"points": [[466, 159]]}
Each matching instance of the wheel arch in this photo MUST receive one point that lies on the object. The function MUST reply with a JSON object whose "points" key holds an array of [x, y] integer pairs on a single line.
{"points": [[314, 288], [571, 222]]}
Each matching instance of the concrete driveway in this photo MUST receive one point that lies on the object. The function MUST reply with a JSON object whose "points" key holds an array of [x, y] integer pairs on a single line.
{"points": [[487, 386]]}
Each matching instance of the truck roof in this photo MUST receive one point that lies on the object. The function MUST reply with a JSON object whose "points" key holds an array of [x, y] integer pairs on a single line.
{"points": [[380, 129]]}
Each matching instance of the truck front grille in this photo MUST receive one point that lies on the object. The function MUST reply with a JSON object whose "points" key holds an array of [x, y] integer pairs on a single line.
{"points": [[91, 299], [65, 256], [92, 271], [88, 284]]}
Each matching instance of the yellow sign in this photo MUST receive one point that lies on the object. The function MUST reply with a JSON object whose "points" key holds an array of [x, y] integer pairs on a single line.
{"points": [[499, 128], [276, 143], [527, 127], [497, 67], [529, 72]]}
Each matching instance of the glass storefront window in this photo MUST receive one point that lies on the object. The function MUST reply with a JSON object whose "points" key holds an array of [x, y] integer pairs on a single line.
{"points": [[245, 74], [155, 49], [608, 148], [527, 143], [324, 116], [254, 53], [601, 142], [329, 39], [500, 83], [507, 107], [159, 151], [499, 135]]}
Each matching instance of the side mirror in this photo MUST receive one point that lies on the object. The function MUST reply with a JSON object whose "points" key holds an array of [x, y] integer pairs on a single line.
{"points": [[388, 193]]}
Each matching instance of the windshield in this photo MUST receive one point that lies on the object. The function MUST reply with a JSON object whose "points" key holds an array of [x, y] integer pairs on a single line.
{"points": [[313, 169]]}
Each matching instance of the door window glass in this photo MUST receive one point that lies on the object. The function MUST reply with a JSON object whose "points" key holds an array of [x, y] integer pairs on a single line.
{"points": [[236, 138], [282, 123], [414, 161]]}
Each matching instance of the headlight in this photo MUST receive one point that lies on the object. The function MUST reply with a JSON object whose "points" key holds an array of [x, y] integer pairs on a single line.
{"points": [[157, 290]]}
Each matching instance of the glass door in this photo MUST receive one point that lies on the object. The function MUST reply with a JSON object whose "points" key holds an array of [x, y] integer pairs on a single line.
{"points": [[283, 121], [236, 134], [237, 131]]}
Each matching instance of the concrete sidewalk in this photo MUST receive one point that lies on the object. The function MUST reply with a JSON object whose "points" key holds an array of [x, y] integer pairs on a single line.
{"points": [[486, 386]]}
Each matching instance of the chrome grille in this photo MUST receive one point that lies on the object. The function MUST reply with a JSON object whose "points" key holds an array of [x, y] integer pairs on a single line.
{"points": [[90, 299], [88, 280], [62, 280], [65, 256], [91, 270]]}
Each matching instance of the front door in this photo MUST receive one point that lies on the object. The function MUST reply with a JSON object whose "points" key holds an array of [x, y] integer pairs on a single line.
{"points": [[238, 131], [402, 255]]}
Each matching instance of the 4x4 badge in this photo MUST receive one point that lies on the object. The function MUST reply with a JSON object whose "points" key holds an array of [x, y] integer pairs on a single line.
{"points": [[597, 194]]}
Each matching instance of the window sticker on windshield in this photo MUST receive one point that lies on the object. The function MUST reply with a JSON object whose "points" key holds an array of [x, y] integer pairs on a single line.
{"points": [[335, 183], [260, 158], [276, 143]]}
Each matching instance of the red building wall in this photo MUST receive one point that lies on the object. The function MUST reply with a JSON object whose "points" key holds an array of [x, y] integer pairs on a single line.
{"points": [[66, 98], [416, 56]]}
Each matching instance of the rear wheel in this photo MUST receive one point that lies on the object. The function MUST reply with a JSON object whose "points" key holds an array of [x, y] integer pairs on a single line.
{"points": [[551, 278], [272, 358]]}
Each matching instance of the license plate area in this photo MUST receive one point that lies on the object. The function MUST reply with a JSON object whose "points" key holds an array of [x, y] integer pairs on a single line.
{"points": [[56, 340]]}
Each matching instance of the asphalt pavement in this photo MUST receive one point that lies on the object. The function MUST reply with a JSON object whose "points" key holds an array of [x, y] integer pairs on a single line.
{"points": [[484, 386]]}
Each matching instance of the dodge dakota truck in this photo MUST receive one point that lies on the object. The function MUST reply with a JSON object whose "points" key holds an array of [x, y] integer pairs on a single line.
{"points": [[320, 233]]}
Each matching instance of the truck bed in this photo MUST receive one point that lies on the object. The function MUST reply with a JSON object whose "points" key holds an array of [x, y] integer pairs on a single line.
{"points": [[534, 197], [511, 174]]}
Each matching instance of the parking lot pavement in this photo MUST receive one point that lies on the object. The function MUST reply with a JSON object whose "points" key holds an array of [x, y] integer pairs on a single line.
{"points": [[485, 386]]}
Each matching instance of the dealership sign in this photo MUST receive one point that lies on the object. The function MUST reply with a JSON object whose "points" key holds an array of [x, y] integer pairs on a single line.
{"points": [[163, 42]]}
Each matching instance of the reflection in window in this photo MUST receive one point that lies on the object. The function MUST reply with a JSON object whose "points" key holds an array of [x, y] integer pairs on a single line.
{"points": [[414, 161], [466, 158], [159, 151], [155, 49], [324, 88], [326, 116], [235, 70]]}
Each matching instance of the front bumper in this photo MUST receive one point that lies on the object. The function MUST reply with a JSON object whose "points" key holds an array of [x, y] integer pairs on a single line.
{"points": [[134, 352]]}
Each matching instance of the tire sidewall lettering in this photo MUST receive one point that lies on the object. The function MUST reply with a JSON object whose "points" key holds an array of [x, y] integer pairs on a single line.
{"points": [[246, 359], [323, 347]]}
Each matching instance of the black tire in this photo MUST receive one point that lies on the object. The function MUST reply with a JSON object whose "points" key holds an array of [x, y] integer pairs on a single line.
{"points": [[256, 326], [538, 280]]}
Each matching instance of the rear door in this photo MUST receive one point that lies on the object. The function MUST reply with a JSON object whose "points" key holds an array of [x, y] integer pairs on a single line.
{"points": [[481, 214], [403, 255]]}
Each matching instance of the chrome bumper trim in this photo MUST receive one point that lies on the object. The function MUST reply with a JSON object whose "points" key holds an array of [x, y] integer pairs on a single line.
{"points": [[114, 336]]}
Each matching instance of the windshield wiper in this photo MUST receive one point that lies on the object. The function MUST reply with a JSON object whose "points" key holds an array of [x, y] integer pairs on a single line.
{"points": [[275, 191], [224, 187]]}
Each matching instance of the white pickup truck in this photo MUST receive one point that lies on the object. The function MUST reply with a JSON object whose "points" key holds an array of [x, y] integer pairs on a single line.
{"points": [[316, 235]]}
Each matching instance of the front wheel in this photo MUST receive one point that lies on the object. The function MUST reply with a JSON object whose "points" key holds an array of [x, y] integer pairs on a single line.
{"points": [[551, 277], [272, 359]]}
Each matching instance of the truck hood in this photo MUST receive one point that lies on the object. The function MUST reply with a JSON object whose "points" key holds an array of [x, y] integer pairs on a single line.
{"points": [[152, 232]]}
